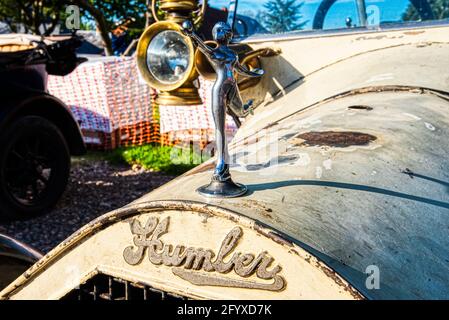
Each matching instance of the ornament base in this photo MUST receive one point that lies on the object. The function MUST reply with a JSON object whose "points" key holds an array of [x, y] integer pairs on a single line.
{"points": [[222, 189]]}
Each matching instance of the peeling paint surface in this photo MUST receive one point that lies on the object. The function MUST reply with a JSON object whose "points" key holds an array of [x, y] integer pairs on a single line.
{"points": [[352, 206]]}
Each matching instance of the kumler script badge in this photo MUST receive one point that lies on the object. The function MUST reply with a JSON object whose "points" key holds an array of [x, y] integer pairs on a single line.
{"points": [[202, 266]]}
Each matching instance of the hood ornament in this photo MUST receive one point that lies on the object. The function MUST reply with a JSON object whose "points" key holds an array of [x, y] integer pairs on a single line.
{"points": [[225, 94]]}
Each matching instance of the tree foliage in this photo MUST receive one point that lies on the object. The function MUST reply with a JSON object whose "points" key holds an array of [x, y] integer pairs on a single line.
{"points": [[283, 16], [107, 12], [440, 9], [41, 17], [115, 10], [37, 17]]}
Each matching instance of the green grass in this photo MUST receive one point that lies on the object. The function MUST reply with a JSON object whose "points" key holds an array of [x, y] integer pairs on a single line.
{"points": [[172, 160]]}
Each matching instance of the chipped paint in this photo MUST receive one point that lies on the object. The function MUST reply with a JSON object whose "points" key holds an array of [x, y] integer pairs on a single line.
{"points": [[259, 207], [318, 172], [304, 160], [429, 126], [327, 164], [331, 274], [424, 44], [379, 37]]}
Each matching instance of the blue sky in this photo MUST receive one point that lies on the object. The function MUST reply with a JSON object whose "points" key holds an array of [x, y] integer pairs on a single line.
{"points": [[390, 10]]}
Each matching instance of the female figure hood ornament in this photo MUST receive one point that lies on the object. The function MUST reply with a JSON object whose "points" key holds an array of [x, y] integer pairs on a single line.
{"points": [[225, 94]]}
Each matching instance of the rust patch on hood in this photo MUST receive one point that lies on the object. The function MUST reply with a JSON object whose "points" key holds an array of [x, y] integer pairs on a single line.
{"points": [[338, 280], [341, 139]]}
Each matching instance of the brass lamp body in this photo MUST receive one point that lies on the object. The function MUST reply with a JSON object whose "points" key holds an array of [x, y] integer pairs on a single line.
{"points": [[184, 92], [174, 13], [179, 10]]}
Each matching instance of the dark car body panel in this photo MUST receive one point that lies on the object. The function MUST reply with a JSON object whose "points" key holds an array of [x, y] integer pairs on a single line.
{"points": [[15, 258], [23, 92]]}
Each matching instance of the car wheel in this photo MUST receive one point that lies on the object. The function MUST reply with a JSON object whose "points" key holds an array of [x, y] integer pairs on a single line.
{"points": [[34, 167]]}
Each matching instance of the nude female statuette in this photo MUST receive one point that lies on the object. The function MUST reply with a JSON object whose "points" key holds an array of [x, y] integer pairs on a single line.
{"points": [[225, 94]]}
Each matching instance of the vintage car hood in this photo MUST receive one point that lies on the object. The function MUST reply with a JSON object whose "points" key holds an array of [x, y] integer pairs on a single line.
{"points": [[375, 192], [354, 170]]}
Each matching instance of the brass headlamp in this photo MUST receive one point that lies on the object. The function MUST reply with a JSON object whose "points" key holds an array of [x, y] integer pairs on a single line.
{"points": [[167, 59]]}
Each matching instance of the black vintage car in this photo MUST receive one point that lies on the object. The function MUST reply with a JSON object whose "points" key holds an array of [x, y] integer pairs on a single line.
{"points": [[38, 134]]}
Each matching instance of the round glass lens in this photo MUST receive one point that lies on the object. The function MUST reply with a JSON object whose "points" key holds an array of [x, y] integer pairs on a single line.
{"points": [[168, 57]]}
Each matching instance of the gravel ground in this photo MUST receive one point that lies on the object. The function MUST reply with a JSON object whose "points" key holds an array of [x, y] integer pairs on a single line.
{"points": [[95, 187]]}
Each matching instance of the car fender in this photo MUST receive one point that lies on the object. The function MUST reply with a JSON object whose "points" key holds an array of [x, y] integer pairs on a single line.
{"points": [[47, 106]]}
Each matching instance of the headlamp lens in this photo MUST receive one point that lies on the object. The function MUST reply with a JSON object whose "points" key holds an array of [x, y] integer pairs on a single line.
{"points": [[168, 57]]}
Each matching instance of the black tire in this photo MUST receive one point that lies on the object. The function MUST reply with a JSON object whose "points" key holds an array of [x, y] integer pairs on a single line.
{"points": [[34, 167]]}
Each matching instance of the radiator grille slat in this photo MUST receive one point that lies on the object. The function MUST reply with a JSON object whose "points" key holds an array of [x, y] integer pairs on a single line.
{"points": [[104, 287]]}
